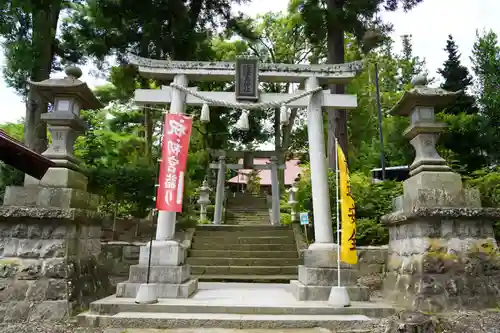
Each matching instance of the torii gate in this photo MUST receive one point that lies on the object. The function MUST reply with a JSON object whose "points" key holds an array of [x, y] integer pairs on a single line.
{"points": [[246, 74], [248, 158]]}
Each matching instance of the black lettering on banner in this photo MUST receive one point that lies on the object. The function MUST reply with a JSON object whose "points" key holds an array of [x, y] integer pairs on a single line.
{"points": [[352, 239], [352, 213], [349, 190]]}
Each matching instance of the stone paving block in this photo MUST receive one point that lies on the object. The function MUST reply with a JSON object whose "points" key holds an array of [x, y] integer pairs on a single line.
{"points": [[184, 290], [321, 293]]}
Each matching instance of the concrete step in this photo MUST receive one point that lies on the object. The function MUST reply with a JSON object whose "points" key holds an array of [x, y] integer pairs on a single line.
{"points": [[243, 215], [224, 320], [112, 305], [254, 219], [246, 278], [242, 254], [243, 247], [239, 233], [227, 330], [262, 218], [211, 261], [245, 240], [262, 227], [251, 270], [247, 210], [247, 207]]}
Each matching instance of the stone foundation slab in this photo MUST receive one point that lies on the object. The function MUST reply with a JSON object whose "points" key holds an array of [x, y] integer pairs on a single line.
{"points": [[322, 258], [165, 253], [312, 276], [321, 293], [159, 274], [183, 290]]}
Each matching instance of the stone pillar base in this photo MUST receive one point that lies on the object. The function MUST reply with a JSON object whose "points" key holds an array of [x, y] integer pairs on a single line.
{"points": [[320, 273], [302, 292], [167, 271]]}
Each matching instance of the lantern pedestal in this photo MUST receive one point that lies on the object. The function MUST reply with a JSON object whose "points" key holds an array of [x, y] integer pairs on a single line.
{"points": [[59, 177], [168, 271]]}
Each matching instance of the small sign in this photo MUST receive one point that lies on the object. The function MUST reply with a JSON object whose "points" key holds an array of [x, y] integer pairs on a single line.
{"points": [[304, 218], [247, 79]]}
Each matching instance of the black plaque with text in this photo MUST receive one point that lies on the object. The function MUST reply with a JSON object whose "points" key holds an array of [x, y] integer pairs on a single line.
{"points": [[247, 79]]}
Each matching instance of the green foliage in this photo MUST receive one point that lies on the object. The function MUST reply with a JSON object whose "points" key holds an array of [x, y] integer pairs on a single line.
{"points": [[253, 183], [372, 200], [185, 222], [8, 175], [370, 232], [486, 66], [487, 181], [461, 144], [285, 218]]}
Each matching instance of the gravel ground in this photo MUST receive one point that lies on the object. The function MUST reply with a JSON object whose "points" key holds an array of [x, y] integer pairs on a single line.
{"points": [[454, 322], [47, 327]]}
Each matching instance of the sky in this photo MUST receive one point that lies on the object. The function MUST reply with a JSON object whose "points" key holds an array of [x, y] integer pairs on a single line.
{"points": [[429, 23]]}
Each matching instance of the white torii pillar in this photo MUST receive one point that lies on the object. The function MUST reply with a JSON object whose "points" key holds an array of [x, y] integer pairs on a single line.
{"points": [[323, 231], [275, 189], [219, 192], [165, 228]]}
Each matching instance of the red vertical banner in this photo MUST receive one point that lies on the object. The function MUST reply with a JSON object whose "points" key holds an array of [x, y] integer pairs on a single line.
{"points": [[174, 154]]}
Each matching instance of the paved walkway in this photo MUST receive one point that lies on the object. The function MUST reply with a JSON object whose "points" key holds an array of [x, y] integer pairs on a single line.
{"points": [[217, 330], [266, 295]]}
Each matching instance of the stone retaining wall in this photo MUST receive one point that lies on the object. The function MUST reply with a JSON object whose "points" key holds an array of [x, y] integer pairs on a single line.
{"points": [[118, 257], [371, 267], [48, 263]]}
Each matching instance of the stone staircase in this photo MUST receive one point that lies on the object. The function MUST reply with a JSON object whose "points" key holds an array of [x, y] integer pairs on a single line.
{"points": [[244, 253], [247, 209]]}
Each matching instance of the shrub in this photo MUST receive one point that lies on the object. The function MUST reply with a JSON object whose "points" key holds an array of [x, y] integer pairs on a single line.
{"points": [[285, 218], [373, 200], [488, 183]]}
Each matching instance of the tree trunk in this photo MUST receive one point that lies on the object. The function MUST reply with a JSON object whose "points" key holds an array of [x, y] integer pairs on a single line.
{"points": [[148, 121], [45, 19], [337, 119]]}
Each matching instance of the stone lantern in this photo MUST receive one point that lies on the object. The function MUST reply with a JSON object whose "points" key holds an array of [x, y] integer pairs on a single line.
{"points": [[204, 200], [68, 96], [57, 214], [439, 235], [292, 200]]}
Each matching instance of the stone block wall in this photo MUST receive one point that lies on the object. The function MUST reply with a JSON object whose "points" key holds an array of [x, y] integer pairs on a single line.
{"points": [[48, 263], [127, 230], [440, 264], [371, 267], [118, 257]]}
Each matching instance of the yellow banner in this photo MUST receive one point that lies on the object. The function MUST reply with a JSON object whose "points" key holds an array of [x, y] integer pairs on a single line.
{"points": [[347, 212]]}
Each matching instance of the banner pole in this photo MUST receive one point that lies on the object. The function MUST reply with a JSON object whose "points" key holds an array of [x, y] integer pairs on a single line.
{"points": [[337, 194]]}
